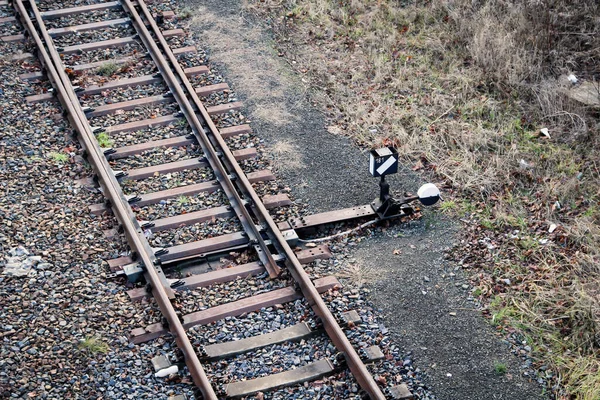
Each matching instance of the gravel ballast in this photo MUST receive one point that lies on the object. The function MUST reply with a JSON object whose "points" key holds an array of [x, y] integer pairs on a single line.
{"points": [[65, 298]]}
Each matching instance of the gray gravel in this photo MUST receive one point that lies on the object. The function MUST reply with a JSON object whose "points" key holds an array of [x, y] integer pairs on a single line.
{"points": [[137, 114], [122, 94], [156, 157], [172, 207], [130, 50], [141, 136], [63, 296], [85, 18], [94, 36], [47, 5], [167, 181]]}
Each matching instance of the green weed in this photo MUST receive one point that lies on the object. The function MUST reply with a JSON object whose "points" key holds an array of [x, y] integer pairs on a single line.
{"points": [[487, 223], [104, 140], [183, 200], [448, 205], [528, 243], [500, 368], [185, 13], [93, 345], [108, 68], [59, 157]]}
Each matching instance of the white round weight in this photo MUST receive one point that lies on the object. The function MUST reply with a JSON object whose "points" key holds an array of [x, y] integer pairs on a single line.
{"points": [[428, 194]]}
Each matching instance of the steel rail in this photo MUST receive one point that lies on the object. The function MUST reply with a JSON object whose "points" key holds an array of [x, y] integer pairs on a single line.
{"points": [[221, 173], [67, 97], [357, 367]]}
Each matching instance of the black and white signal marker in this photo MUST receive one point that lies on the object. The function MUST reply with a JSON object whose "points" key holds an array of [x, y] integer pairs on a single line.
{"points": [[383, 161]]}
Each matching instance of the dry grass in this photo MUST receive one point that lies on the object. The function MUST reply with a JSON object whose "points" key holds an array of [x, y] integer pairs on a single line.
{"points": [[259, 73], [286, 156], [462, 89], [359, 275], [93, 345]]}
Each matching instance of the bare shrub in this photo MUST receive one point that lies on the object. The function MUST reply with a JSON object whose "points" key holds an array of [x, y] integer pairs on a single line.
{"points": [[555, 108], [514, 41], [495, 45]]}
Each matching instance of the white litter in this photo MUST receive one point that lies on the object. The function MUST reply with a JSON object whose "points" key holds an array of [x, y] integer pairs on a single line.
{"points": [[173, 369], [572, 78]]}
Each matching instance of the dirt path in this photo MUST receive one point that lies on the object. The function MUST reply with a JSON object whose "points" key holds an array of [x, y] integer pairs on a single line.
{"points": [[422, 297]]}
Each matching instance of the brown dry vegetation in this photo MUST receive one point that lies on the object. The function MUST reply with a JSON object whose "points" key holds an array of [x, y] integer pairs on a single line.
{"points": [[462, 89]]}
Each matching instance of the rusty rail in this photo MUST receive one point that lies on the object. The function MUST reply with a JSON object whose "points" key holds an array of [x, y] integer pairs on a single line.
{"points": [[357, 367], [248, 206], [68, 99], [221, 173]]}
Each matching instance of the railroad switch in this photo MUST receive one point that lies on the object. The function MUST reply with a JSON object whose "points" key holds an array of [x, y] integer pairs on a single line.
{"points": [[384, 162]]}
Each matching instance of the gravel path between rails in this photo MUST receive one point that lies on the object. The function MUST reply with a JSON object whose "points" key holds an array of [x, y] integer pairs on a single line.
{"points": [[424, 300]]}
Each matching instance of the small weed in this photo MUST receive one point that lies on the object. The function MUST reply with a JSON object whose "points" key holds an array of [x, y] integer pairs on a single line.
{"points": [[107, 69], [430, 219], [502, 311], [356, 33], [487, 223], [185, 13], [528, 243], [467, 207], [590, 212], [93, 345], [32, 159], [296, 11], [359, 276], [500, 368], [568, 167], [104, 140], [508, 220], [182, 123], [448, 205], [59, 157], [183, 200]]}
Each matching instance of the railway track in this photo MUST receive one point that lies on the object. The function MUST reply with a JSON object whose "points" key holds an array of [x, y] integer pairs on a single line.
{"points": [[126, 166]]}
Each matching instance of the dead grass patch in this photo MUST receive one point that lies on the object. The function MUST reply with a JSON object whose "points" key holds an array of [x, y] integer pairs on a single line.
{"points": [[286, 156], [258, 72], [359, 275]]}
